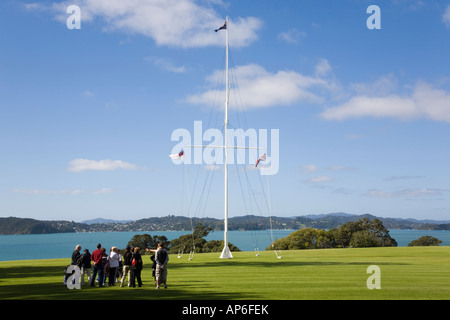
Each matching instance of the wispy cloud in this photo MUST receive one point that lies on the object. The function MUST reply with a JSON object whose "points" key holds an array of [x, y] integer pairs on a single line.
{"points": [[397, 178], [321, 179], [405, 193], [352, 136], [292, 36], [165, 64], [323, 68], [307, 168], [446, 16], [340, 168], [78, 165], [88, 94]]}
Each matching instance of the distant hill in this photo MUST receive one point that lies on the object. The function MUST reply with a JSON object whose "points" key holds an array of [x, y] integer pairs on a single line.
{"points": [[335, 214], [101, 220], [12, 225]]}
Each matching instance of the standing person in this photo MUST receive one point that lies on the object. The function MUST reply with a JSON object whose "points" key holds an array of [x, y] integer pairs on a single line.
{"points": [[113, 260], [161, 258], [96, 258], [120, 268], [127, 267], [105, 265], [76, 254], [85, 266], [152, 258], [136, 262]]}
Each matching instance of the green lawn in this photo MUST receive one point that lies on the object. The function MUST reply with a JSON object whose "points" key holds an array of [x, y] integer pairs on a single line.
{"points": [[406, 273]]}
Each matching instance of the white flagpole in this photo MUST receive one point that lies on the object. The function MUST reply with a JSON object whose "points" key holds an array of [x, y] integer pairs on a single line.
{"points": [[226, 253]]}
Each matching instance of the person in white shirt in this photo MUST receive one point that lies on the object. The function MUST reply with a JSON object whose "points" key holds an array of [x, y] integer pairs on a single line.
{"points": [[113, 260]]}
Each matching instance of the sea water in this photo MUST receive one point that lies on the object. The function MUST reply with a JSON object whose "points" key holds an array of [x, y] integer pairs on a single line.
{"points": [[61, 245]]}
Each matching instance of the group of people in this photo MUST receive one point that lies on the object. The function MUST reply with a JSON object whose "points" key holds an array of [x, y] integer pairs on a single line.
{"points": [[117, 267]]}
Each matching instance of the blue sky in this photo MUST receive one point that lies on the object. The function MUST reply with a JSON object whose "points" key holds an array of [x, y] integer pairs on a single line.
{"points": [[87, 114]]}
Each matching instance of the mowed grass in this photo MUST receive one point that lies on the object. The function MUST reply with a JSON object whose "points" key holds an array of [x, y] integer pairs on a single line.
{"points": [[327, 274]]}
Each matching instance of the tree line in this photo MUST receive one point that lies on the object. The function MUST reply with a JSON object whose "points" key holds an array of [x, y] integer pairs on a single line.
{"points": [[356, 234]]}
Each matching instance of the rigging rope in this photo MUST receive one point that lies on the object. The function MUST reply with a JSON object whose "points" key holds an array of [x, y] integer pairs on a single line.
{"points": [[201, 205]]}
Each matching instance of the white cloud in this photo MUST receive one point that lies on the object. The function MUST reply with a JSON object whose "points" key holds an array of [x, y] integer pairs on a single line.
{"points": [[259, 88], [423, 102], [177, 23], [363, 106], [446, 16], [79, 165]]}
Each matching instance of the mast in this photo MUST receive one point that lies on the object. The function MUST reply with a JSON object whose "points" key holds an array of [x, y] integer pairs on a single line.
{"points": [[226, 253]]}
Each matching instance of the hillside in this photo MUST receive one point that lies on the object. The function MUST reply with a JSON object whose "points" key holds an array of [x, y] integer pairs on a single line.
{"points": [[12, 225]]}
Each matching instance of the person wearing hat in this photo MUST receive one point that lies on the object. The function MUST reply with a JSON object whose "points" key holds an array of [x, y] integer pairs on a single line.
{"points": [[127, 267]]}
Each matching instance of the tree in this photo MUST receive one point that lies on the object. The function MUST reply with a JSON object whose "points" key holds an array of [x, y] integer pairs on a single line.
{"points": [[186, 243], [146, 241], [308, 238], [362, 239], [425, 241], [365, 232], [196, 241]]}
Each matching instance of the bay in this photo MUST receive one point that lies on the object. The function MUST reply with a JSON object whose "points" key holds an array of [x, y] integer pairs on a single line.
{"points": [[61, 245]]}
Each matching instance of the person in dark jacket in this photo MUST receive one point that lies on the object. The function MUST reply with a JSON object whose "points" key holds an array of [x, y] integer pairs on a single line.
{"points": [[152, 258], [76, 254], [162, 258], [137, 268], [85, 266], [127, 267]]}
